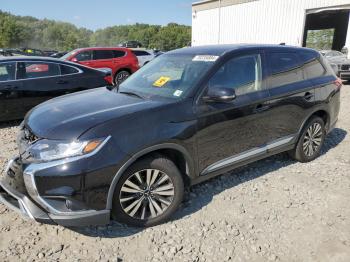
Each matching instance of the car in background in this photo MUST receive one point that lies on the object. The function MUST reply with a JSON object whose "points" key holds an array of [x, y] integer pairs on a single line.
{"points": [[28, 81], [131, 44], [144, 56], [58, 54], [120, 60], [341, 62]]}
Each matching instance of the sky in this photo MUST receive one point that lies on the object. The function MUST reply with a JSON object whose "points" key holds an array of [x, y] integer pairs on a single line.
{"points": [[97, 14]]}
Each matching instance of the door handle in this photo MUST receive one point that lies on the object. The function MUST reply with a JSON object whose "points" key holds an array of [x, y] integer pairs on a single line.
{"points": [[308, 96], [62, 82], [261, 108]]}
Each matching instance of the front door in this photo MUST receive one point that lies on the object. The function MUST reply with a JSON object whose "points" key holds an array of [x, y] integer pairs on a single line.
{"points": [[236, 131]]}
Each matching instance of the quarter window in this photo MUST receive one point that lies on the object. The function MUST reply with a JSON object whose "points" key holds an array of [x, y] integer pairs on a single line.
{"points": [[67, 70], [312, 66], [285, 69], [27, 70], [243, 74], [140, 53], [7, 71], [84, 56]]}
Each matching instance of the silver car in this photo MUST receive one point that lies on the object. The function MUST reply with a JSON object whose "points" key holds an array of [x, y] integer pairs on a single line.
{"points": [[339, 62]]}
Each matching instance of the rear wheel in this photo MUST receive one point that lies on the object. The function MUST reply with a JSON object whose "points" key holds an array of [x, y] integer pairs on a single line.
{"points": [[120, 77], [148, 193], [310, 141]]}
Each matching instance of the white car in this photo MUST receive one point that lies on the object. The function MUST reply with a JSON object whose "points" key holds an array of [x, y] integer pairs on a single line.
{"points": [[144, 56]]}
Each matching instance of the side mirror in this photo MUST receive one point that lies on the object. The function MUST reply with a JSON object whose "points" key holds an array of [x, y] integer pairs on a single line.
{"points": [[75, 60], [220, 94]]}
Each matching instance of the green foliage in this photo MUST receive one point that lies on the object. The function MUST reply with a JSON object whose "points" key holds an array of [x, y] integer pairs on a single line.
{"points": [[320, 39], [19, 31]]}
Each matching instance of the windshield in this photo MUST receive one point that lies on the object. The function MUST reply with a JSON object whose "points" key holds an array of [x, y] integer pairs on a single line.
{"points": [[66, 56], [168, 76]]}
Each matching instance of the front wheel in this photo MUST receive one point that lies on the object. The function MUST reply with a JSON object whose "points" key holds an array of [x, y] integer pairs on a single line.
{"points": [[120, 77], [311, 141], [148, 193]]}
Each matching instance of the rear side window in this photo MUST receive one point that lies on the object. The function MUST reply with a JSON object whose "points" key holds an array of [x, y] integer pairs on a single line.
{"points": [[67, 70], [7, 71], [118, 53], [103, 54], [312, 66], [28, 70], [84, 56], [285, 69]]}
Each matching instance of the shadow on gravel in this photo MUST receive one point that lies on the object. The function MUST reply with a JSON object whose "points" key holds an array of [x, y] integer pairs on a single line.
{"points": [[202, 194], [10, 124]]}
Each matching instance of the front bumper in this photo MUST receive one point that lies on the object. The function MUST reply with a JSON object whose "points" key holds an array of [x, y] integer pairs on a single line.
{"points": [[344, 75], [18, 192]]}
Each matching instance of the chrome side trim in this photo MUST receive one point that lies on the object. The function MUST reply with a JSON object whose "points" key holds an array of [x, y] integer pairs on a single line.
{"points": [[29, 181], [247, 154]]}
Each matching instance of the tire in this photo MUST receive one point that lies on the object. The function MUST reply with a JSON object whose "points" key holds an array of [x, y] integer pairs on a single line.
{"points": [[125, 203], [305, 150], [120, 77]]}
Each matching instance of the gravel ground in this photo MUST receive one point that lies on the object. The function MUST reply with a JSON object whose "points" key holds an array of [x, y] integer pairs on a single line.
{"points": [[273, 210]]}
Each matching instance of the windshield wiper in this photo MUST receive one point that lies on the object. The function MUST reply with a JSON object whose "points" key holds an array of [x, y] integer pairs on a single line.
{"points": [[130, 94]]}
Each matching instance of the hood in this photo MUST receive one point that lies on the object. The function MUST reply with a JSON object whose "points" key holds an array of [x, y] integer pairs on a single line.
{"points": [[69, 116], [339, 60]]}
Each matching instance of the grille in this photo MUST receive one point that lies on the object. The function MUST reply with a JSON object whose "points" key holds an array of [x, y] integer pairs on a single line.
{"points": [[345, 67]]}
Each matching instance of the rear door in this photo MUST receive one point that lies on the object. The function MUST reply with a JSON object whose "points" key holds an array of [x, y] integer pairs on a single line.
{"points": [[103, 59], [10, 88], [292, 95], [119, 60], [41, 81]]}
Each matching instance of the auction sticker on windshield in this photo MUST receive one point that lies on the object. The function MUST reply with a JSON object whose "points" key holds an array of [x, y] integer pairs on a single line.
{"points": [[161, 81], [205, 58]]}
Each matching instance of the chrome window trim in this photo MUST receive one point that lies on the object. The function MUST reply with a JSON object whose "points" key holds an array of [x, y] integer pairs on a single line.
{"points": [[31, 61], [246, 155], [29, 181]]}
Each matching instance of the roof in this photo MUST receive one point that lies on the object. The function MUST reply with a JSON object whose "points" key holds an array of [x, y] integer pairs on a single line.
{"points": [[35, 58], [211, 4], [220, 50]]}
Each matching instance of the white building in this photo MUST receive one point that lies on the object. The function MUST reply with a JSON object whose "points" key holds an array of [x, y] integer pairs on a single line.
{"points": [[269, 21]]}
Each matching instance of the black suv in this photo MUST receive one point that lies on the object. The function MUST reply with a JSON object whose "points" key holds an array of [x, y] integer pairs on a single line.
{"points": [[191, 114]]}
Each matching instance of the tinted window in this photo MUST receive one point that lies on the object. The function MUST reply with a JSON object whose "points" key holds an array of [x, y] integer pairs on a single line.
{"points": [[103, 54], [84, 56], [242, 74], [140, 53], [285, 69], [7, 71], [28, 70], [118, 53], [312, 66], [67, 70]]}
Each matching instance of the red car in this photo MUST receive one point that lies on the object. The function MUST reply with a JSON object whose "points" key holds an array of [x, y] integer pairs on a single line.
{"points": [[121, 61]]}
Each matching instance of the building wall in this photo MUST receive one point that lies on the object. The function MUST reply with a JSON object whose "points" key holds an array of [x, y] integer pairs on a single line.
{"points": [[262, 21]]}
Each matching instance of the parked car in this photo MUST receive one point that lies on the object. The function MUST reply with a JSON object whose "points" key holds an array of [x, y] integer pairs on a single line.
{"points": [[144, 56], [130, 44], [340, 60], [190, 115], [121, 61], [58, 54], [27, 81]]}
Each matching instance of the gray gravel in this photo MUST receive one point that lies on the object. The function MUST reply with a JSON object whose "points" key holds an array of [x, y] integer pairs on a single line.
{"points": [[273, 210]]}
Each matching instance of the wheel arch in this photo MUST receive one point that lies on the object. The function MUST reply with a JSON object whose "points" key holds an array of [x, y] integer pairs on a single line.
{"points": [[175, 152], [322, 113]]}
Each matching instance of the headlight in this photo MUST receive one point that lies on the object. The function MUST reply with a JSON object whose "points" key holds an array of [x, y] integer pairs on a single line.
{"points": [[48, 150]]}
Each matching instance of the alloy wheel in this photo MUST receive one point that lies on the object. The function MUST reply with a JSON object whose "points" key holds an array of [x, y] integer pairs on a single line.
{"points": [[146, 194], [312, 139], [121, 77]]}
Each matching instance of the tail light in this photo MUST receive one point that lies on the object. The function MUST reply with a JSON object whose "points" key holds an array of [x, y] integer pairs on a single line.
{"points": [[338, 83], [109, 79]]}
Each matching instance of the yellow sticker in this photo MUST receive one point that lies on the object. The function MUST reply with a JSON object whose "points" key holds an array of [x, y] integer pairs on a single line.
{"points": [[161, 81]]}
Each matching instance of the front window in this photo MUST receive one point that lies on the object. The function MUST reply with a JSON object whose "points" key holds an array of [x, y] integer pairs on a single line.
{"points": [[169, 76]]}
